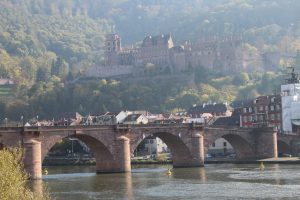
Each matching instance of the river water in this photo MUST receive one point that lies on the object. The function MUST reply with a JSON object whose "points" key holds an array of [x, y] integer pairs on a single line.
{"points": [[215, 181]]}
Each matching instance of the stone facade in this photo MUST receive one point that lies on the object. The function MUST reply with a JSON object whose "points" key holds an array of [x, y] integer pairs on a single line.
{"points": [[264, 111], [113, 146], [159, 52]]}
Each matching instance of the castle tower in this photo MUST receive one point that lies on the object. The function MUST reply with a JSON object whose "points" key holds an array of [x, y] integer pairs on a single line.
{"points": [[112, 48]]}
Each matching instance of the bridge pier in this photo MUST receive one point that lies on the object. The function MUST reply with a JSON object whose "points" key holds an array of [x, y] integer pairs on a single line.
{"points": [[198, 150], [121, 161], [33, 159], [123, 155], [266, 144]]}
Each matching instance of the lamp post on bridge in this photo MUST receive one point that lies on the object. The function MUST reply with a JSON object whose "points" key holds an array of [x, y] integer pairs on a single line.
{"points": [[22, 120], [72, 145]]}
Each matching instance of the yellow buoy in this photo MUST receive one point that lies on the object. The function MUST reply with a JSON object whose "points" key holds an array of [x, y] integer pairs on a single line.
{"points": [[45, 171], [169, 172], [262, 166]]}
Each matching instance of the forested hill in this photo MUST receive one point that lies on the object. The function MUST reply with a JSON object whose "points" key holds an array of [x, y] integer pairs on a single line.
{"points": [[45, 44]]}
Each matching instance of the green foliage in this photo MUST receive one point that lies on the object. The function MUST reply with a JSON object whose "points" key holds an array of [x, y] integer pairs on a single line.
{"points": [[13, 179], [241, 79], [45, 46]]}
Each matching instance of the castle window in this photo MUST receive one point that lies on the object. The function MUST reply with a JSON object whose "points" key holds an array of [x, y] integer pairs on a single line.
{"points": [[224, 144]]}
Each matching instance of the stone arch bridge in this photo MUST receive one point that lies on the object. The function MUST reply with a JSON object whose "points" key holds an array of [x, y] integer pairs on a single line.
{"points": [[113, 145]]}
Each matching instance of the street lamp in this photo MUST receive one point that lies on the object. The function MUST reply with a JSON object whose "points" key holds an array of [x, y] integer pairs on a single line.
{"points": [[72, 150], [5, 121], [22, 120]]}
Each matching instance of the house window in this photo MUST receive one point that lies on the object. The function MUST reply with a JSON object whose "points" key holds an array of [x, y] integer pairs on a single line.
{"points": [[277, 107], [151, 141], [295, 98], [261, 108], [272, 108], [261, 117], [245, 110], [272, 116], [266, 107], [286, 93], [214, 144], [273, 99], [250, 109], [249, 118], [245, 118], [254, 118], [278, 116], [224, 144]]}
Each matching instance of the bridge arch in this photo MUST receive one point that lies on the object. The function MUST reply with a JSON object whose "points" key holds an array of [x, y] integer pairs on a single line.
{"points": [[181, 154], [243, 149], [103, 156]]}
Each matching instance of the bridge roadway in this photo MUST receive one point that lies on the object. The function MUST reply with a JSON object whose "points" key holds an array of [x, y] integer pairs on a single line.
{"points": [[113, 145]]}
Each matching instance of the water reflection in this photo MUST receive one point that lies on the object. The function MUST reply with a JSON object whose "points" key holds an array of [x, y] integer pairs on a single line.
{"points": [[37, 186], [152, 182], [198, 173]]}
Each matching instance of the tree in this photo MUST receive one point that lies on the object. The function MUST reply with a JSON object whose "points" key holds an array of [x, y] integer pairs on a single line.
{"points": [[241, 79], [60, 68], [29, 68], [13, 179], [42, 74]]}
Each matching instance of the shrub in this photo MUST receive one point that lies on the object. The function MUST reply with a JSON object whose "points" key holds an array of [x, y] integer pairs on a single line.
{"points": [[13, 179]]}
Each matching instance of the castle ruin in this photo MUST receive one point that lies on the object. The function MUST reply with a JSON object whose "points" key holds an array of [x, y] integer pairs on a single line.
{"points": [[159, 52]]}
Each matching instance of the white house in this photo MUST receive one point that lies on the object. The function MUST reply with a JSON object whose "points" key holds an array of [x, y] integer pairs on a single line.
{"points": [[290, 99], [155, 145], [220, 147], [136, 119]]}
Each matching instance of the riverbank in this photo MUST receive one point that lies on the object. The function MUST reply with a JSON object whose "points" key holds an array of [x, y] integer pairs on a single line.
{"points": [[281, 160], [92, 161]]}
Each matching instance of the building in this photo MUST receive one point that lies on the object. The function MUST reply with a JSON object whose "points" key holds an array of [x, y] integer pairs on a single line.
{"points": [[68, 118], [264, 111], [136, 119], [290, 97], [160, 54], [220, 148], [154, 145]]}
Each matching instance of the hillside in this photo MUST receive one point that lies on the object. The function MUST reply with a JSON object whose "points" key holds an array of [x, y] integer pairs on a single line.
{"points": [[46, 45]]}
